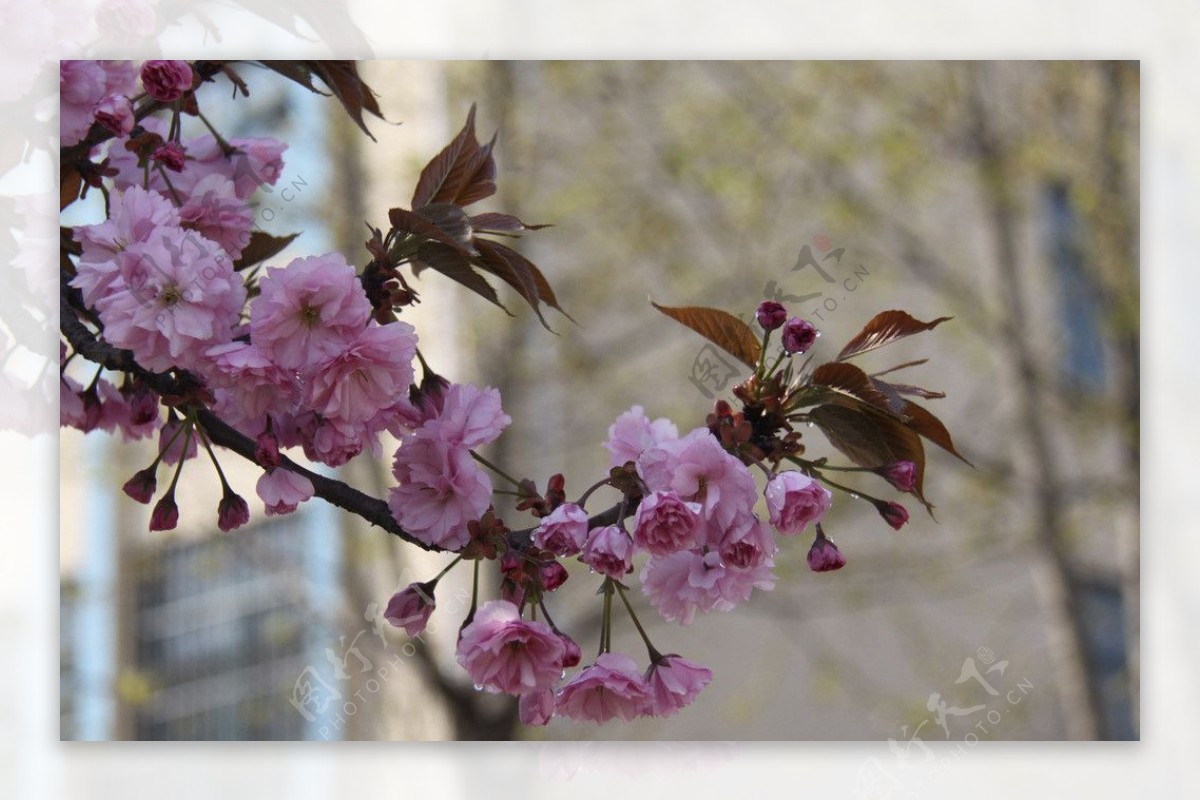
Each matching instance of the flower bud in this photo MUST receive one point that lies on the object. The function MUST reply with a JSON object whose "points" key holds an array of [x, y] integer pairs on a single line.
{"points": [[166, 514], [410, 608], [141, 487], [770, 315], [266, 450], [553, 575], [171, 155], [824, 556], [166, 80], [571, 651], [798, 335], [895, 514], [232, 511]]}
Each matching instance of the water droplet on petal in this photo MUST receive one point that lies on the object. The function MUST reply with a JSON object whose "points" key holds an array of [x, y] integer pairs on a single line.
{"points": [[478, 688], [854, 495]]}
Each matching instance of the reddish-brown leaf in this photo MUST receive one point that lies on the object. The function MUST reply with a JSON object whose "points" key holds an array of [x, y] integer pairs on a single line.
{"points": [[463, 172], [720, 328], [513, 272], [924, 422], [453, 264], [410, 222], [871, 438], [343, 81], [69, 186], [505, 224], [890, 389], [884, 328], [261, 247], [541, 286], [849, 380]]}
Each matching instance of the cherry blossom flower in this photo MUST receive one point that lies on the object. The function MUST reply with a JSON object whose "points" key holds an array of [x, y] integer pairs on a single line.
{"points": [[745, 543], [609, 551], [798, 335], [536, 708], [824, 556], [469, 416], [366, 377], [182, 298], [213, 208], [564, 531], [665, 523], [503, 653], [256, 385], [166, 80], [795, 500], [699, 469], [410, 608], [282, 490], [674, 682], [82, 87], [633, 432], [115, 113], [683, 583], [611, 687], [309, 311], [441, 490]]}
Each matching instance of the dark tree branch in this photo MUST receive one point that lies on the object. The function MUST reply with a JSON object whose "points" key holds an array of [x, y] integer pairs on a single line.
{"points": [[374, 510]]}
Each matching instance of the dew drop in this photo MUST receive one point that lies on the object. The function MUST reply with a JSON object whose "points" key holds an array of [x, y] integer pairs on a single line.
{"points": [[854, 495], [478, 688], [810, 425]]}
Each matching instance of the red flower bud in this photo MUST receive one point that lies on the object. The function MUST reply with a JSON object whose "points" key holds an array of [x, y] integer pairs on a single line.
{"points": [[770, 315], [141, 487], [232, 512], [165, 515], [895, 514]]}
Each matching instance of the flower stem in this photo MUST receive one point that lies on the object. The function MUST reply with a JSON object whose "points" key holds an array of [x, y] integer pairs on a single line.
{"points": [[495, 469], [220, 473], [446, 570], [587, 494], [654, 654]]}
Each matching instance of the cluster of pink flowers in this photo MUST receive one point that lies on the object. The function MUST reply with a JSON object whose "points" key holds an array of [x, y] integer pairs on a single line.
{"points": [[310, 369], [440, 487], [501, 652]]}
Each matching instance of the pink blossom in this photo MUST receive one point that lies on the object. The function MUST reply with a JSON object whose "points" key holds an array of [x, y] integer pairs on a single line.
{"points": [[571, 652], [665, 523], [536, 708], [410, 608], [171, 155], [699, 469], [441, 490], [253, 163], [71, 410], [745, 543], [674, 682], [134, 216], [256, 384], [115, 113], [182, 298], [798, 335], [685, 582], [166, 80], [232, 512], [824, 556], [308, 312], [366, 377], [633, 432], [564, 531], [611, 687], [469, 416], [609, 551], [213, 208], [503, 653], [794, 500], [282, 490], [331, 442], [82, 86]]}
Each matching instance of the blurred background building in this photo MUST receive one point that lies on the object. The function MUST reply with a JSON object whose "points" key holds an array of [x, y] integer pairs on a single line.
{"points": [[1004, 194]]}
